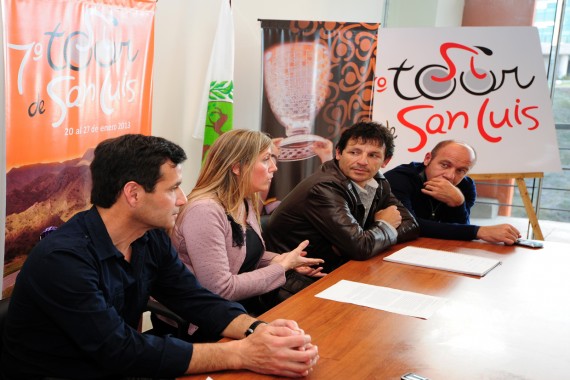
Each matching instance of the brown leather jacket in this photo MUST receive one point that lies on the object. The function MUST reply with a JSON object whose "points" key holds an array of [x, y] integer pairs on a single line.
{"points": [[326, 210]]}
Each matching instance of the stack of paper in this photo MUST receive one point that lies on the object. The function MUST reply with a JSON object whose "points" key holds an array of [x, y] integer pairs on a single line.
{"points": [[450, 261]]}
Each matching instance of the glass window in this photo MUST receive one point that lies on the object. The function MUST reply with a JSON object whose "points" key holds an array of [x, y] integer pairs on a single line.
{"points": [[555, 195]]}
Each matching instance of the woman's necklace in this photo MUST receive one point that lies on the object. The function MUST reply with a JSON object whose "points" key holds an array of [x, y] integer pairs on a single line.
{"points": [[433, 209]]}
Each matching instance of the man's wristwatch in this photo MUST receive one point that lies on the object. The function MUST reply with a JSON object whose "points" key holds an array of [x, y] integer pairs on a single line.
{"points": [[252, 328]]}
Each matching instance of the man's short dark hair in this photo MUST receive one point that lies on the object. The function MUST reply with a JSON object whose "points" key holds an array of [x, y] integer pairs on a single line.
{"points": [[368, 132], [128, 158]]}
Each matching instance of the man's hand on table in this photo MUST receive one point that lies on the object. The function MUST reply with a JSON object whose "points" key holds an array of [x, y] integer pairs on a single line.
{"points": [[278, 348]]}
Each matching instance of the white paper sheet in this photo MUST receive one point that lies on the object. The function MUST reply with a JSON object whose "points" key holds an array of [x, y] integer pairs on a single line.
{"points": [[382, 298], [449, 261]]}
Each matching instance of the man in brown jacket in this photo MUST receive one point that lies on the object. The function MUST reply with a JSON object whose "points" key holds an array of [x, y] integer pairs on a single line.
{"points": [[346, 209]]}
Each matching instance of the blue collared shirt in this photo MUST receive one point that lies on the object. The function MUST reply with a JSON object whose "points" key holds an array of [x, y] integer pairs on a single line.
{"points": [[77, 303]]}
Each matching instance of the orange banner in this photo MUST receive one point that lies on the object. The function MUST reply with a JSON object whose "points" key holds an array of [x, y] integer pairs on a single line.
{"points": [[77, 72]]}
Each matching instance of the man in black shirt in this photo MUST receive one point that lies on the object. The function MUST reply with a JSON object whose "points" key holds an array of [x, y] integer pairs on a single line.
{"points": [[79, 297], [440, 194]]}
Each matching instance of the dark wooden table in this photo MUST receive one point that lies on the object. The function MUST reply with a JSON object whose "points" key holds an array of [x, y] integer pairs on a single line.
{"points": [[514, 323]]}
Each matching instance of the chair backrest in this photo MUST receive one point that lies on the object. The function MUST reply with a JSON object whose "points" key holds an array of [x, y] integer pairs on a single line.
{"points": [[157, 308], [3, 312]]}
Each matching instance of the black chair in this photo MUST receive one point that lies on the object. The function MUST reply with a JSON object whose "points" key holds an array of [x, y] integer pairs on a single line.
{"points": [[3, 312], [159, 309]]}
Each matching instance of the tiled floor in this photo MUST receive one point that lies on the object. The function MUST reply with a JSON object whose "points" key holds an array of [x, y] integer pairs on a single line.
{"points": [[552, 231]]}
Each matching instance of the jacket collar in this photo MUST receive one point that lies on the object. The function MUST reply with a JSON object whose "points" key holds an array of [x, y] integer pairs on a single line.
{"points": [[333, 168]]}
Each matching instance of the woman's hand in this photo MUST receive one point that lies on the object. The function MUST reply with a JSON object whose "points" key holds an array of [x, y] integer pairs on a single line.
{"points": [[311, 272], [296, 258]]}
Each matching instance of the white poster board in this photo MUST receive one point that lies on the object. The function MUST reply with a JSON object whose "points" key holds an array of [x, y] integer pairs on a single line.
{"points": [[482, 85]]}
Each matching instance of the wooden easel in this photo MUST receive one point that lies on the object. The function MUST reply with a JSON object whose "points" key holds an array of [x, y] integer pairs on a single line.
{"points": [[519, 177]]}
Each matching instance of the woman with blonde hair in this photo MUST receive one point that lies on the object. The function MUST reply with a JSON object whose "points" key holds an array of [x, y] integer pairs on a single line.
{"points": [[217, 233]]}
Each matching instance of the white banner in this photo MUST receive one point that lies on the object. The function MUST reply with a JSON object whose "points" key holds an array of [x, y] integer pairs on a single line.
{"points": [[216, 113], [485, 86]]}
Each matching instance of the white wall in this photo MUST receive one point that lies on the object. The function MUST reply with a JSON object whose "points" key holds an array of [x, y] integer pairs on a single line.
{"points": [[183, 37], [449, 13], [184, 33], [398, 13], [428, 13]]}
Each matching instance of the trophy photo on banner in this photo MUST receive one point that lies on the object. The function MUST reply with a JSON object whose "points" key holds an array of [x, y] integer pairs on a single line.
{"points": [[318, 79], [296, 79]]}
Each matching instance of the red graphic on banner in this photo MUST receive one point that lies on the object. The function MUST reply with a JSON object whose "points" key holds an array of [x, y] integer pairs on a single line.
{"points": [[435, 82]]}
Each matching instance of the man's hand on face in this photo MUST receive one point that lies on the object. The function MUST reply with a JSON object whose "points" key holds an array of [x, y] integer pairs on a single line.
{"points": [[444, 191]]}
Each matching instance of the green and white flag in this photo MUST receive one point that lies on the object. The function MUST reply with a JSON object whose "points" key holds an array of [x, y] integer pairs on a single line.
{"points": [[219, 111]]}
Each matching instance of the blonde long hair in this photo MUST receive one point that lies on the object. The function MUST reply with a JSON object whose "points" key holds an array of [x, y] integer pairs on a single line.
{"points": [[217, 179]]}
